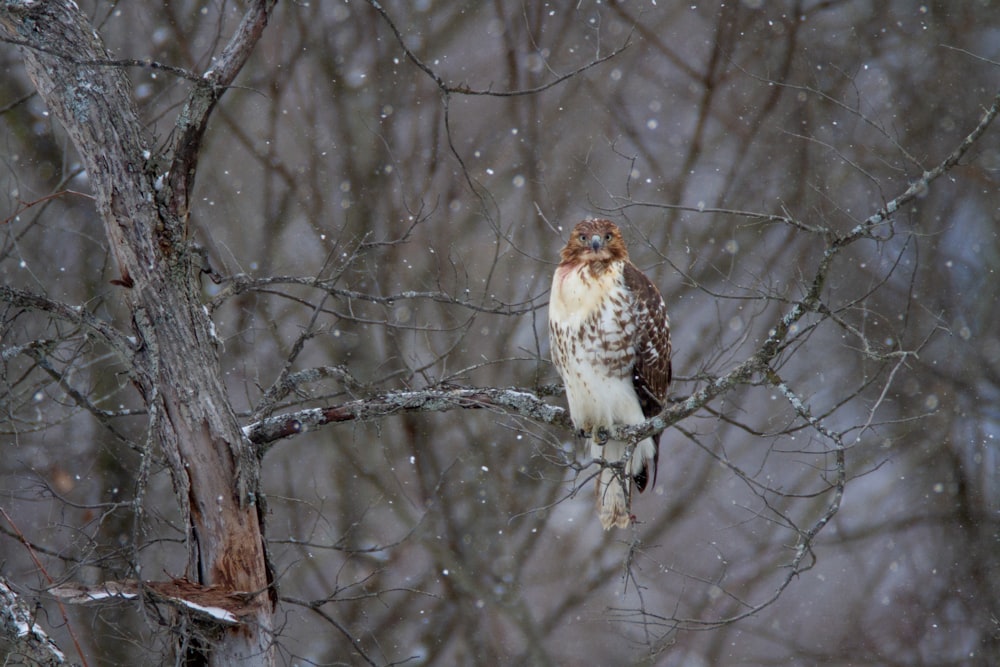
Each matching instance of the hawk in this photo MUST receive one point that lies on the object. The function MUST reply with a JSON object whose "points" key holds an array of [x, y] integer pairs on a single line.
{"points": [[610, 341]]}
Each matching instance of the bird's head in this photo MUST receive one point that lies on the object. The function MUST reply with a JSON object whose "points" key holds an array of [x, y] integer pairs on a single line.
{"points": [[594, 241]]}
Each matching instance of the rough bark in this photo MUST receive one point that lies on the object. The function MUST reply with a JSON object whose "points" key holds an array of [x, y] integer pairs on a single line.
{"points": [[174, 363], [21, 636]]}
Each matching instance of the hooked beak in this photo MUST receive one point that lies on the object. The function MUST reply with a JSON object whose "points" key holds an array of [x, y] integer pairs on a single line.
{"points": [[596, 242]]}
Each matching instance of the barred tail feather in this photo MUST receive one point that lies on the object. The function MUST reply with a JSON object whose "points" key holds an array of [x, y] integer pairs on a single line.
{"points": [[613, 507], [614, 497]]}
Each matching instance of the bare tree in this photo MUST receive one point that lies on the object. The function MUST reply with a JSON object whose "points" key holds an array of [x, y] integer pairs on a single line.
{"points": [[171, 349], [339, 334]]}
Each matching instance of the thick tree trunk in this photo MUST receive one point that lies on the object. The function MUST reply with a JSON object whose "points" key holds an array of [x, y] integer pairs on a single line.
{"points": [[175, 363]]}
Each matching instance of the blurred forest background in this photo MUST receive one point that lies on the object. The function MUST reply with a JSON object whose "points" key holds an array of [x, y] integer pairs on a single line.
{"points": [[733, 142]]}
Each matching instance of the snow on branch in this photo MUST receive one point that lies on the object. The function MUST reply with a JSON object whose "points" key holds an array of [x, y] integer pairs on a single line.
{"points": [[20, 635], [514, 401], [206, 603]]}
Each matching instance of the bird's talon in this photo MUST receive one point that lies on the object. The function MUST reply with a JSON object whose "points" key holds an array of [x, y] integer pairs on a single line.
{"points": [[601, 436]]}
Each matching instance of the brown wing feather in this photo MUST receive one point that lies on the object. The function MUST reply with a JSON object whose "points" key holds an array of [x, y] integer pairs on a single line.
{"points": [[652, 370]]}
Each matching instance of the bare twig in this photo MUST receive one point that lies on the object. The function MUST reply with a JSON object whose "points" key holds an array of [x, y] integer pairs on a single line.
{"points": [[466, 90], [79, 316], [240, 284], [19, 632], [45, 573], [24, 206], [772, 346]]}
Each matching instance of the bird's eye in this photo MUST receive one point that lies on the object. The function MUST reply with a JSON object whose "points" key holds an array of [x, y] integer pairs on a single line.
{"points": [[583, 238], [607, 237]]}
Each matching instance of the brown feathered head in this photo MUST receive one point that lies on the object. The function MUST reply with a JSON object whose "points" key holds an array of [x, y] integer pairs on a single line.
{"points": [[594, 241]]}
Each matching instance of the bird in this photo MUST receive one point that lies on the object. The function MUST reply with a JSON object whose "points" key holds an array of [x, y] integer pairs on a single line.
{"points": [[609, 337]]}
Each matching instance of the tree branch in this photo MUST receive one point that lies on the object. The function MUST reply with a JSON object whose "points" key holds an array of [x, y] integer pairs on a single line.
{"points": [[180, 72], [193, 118], [760, 360], [241, 283], [20, 634], [78, 316], [516, 401], [466, 90]]}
